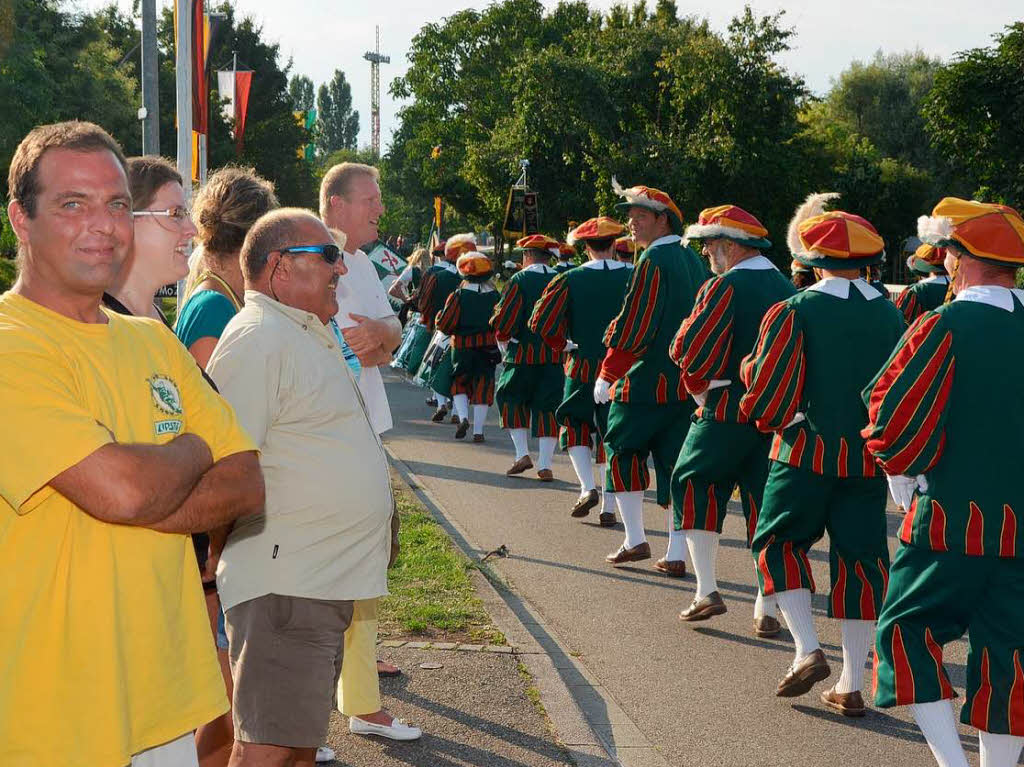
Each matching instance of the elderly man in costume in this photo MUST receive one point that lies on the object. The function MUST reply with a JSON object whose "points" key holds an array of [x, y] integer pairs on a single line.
{"points": [[530, 387], [439, 282], [465, 318], [814, 354], [573, 312], [947, 422], [929, 292], [723, 449], [651, 411]]}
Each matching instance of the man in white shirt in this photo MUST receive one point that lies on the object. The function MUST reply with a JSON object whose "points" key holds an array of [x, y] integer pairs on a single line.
{"points": [[288, 578], [350, 202]]}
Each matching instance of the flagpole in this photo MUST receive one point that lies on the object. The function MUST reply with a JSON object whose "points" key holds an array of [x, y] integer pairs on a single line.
{"points": [[183, 91]]}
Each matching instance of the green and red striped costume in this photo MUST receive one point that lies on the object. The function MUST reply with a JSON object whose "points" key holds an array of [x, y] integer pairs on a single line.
{"points": [[949, 406], [466, 318], [722, 448], [578, 305], [814, 353], [650, 409], [530, 386], [921, 297], [440, 281]]}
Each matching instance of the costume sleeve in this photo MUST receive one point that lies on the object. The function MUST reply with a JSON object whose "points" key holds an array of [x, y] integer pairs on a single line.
{"points": [[907, 402], [425, 302], [774, 371], [549, 319], [510, 313], [907, 303], [704, 341], [629, 334], [447, 320]]}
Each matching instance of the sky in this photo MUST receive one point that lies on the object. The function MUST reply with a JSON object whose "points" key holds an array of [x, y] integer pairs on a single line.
{"points": [[323, 35]]}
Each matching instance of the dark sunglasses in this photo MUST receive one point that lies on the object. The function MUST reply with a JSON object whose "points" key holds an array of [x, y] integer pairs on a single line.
{"points": [[330, 253]]}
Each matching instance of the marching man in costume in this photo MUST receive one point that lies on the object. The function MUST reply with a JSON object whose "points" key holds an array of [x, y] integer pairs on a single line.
{"points": [[530, 387], [947, 420], [651, 411], [466, 320], [578, 305], [928, 293], [814, 353], [723, 449], [439, 282], [566, 257]]}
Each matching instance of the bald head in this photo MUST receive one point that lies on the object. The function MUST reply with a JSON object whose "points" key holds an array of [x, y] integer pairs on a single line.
{"points": [[281, 228]]}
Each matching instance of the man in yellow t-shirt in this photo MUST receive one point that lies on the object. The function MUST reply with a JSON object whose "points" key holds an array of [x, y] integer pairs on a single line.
{"points": [[114, 450]]}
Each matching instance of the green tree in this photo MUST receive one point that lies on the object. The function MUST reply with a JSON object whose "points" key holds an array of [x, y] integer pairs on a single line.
{"points": [[337, 122], [974, 115], [300, 89]]}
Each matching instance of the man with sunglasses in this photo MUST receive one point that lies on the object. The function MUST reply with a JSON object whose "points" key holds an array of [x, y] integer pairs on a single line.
{"points": [[289, 578]]}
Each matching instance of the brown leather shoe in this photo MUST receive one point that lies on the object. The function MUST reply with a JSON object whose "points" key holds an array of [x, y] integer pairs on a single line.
{"points": [[585, 503], [846, 703], [767, 626], [638, 553], [802, 676], [606, 519], [460, 432], [520, 466], [478, 438], [455, 419], [545, 475], [439, 415], [432, 401], [702, 609], [674, 568]]}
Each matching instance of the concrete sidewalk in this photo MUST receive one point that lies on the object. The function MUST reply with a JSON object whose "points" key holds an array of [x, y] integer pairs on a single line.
{"points": [[651, 691]]}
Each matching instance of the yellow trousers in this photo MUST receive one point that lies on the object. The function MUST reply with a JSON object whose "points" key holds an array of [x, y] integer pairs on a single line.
{"points": [[358, 687]]}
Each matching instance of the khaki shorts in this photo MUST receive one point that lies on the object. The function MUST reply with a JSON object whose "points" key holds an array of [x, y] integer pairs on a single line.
{"points": [[286, 657]]}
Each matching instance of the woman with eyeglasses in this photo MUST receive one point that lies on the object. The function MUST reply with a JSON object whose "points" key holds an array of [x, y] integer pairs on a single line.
{"points": [[225, 208], [163, 232]]}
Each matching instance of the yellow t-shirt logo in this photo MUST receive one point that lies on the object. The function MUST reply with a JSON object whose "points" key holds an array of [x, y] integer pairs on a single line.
{"points": [[167, 399]]}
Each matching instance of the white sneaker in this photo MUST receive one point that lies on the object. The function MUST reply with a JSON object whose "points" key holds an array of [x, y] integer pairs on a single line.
{"points": [[325, 754], [398, 730]]}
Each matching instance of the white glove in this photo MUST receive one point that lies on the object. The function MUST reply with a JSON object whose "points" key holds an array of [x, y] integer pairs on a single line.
{"points": [[701, 398], [796, 419], [902, 488], [922, 483], [715, 383], [502, 347], [570, 345], [602, 391]]}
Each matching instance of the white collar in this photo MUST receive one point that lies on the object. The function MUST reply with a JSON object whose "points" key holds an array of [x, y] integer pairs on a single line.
{"points": [[840, 288], [601, 264], [993, 295], [758, 262], [668, 239], [542, 268], [941, 278], [478, 287], [448, 266]]}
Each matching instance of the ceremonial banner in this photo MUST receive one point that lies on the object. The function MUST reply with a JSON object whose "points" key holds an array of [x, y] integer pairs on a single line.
{"points": [[243, 83], [388, 263], [521, 214]]}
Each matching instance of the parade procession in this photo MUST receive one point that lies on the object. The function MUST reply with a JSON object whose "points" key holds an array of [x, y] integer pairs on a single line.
{"points": [[618, 385]]}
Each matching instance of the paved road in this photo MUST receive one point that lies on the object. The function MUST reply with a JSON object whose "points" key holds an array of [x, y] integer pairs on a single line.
{"points": [[703, 696]]}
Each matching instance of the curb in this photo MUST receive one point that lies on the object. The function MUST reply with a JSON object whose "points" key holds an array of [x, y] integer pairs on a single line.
{"points": [[592, 726]]}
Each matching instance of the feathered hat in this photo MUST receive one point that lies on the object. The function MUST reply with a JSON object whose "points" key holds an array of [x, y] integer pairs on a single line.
{"points": [[652, 199], [833, 239], [458, 244], [730, 222], [987, 231], [600, 228]]}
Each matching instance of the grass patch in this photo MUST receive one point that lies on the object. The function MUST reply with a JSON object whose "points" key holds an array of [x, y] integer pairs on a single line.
{"points": [[432, 594]]}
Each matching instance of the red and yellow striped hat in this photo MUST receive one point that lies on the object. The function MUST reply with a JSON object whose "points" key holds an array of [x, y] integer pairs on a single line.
{"points": [[730, 222], [458, 244], [839, 240], [600, 228], [565, 250], [651, 199], [474, 264], [796, 267], [928, 259], [986, 230], [626, 245], [538, 242]]}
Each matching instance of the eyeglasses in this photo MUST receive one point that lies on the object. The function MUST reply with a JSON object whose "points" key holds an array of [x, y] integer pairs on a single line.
{"points": [[330, 252], [177, 215]]}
